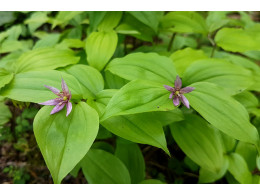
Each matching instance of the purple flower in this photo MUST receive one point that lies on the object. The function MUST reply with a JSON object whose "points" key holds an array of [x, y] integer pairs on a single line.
{"points": [[177, 92], [64, 98]]}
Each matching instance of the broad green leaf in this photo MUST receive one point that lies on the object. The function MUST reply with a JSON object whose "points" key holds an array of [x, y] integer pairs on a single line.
{"points": [[36, 20], [256, 77], [149, 18], [113, 81], [167, 117], [100, 47], [5, 77], [146, 66], [110, 21], [6, 17], [100, 167], [140, 128], [44, 59], [247, 99], [5, 113], [103, 146], [229, 143], [133, 27], [130, 154], [229, 76], [139, 96], [29, 86], [151, 181], [101, 100], [49, 40], [104, 133], [249, 153], [90, 79], [222, 111], [207, 176], [95, 17], [70, 43], [63, 18], [238, 168], [184, 22], [75, 170], [238, 40], [216, 20], [199, 141], [14, 45], [182, 59], [7, 61], [64, 141]]}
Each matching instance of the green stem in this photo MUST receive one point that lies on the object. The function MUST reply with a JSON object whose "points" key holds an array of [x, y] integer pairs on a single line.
{"points": [[171, 42]]}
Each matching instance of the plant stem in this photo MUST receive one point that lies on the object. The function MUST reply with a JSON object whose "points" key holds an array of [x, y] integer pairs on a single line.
{"points": [[171, 42]]}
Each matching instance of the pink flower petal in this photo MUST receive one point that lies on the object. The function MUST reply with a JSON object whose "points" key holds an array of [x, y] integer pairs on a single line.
{"points": [[171, 95], [169, 88], [186, 90], [64, 87], [52, 102], [58, 108], [177, 83], [69, 108], [185, 101], [176, 100], [53, 89]]}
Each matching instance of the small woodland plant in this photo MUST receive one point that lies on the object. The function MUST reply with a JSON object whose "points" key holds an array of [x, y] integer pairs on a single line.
{"points": [[115, 89]]}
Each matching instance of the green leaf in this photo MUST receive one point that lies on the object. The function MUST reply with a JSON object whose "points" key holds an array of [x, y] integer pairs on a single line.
{"points": [[5, 113], [110, 21], [14, 45], [182, 59], [222, 111], [49, 40], [29, 86], [95, 17], [113, 81], [146, 66], [140, 128], [139, 96], [149, 18], [247, 99], [238, 40], [7, 61], [90, 79], [199, 141], [168, 117], [207, 176], [184, 22], [229, 143], [130, 154], [101, 100], [216, 20], [44, 59], [100, 167], [249, 153], [232, 77], [133, 27], [36, 20], [238, 168], [5, 77], [151, 181], [64, 141], [100, 47], [63, 18], [6, 17], [70, 43]]}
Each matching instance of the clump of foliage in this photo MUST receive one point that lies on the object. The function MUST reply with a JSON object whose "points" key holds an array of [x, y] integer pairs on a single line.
{"points": [[151, 97]]}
